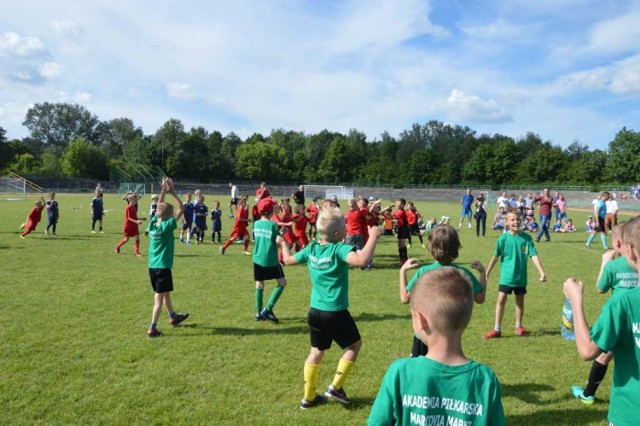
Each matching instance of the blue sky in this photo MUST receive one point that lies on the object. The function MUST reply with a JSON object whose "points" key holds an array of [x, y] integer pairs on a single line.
{"points": [[565, 69]]}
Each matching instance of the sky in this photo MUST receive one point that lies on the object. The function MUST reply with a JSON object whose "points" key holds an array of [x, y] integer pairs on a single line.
{"points": [[568, 70]]}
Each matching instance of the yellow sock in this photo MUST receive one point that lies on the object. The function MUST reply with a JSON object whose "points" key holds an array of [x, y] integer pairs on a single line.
{"points": [[342, 372], [310, 381]]}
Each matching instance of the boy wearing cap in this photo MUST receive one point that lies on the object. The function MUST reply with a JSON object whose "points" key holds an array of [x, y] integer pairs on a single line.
{"points": [[265, 261]]}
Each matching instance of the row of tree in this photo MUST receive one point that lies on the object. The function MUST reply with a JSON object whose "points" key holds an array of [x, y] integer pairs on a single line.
{"points": [[68, 140]]}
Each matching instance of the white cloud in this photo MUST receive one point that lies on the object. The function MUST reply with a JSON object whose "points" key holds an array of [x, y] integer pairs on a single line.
{"points": [[82, 97], [51, 70], [620, 77], [14, 44], [499, 30], [67, 28], [181, 91], [617, 35], [625, 77], [462, 106]]}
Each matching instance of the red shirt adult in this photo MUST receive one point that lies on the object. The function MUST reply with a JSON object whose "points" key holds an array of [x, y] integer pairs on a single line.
{"points": [[130, 228], [546, 202]]}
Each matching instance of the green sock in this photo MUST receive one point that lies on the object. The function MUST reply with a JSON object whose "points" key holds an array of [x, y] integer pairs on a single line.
{"points": [[259, 298], [590, 239], [603, 238], [275, 295]]}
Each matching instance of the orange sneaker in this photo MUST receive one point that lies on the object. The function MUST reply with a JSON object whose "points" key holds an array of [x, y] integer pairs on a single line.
{"points": [[493, 334], [520, 331]]}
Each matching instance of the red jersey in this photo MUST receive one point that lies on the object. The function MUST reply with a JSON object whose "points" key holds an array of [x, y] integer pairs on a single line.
{"points": [[130, 212], [300, 225], [262, 193], [286, 217], [313, 211], [240, 225], [354, 220], [401, 218], [255, 213], [36, 214], [412, 216]]}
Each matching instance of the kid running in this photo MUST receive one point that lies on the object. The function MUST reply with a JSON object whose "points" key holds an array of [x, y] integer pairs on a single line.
{"points": [[513, 248], [239, 230], [33, 219], [329, 318]]}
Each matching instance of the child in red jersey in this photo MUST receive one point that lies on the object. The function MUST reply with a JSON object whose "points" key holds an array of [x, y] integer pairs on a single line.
{"points": [[354, 220], [313, 211], [263, 191], [239, 230], [413, 215], [33, 219], [300, 228], [256, 216], [130, 226], [402, 229]]}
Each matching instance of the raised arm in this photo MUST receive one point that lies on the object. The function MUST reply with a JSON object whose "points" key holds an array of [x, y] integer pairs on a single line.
{"points": [[409, 264]]}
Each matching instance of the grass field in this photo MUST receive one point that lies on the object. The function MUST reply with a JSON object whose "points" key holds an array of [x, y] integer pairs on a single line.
{"points": [[74, 315]]}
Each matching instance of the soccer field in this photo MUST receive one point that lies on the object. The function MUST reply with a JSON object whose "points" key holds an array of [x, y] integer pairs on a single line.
{"points": [[74, 315]]}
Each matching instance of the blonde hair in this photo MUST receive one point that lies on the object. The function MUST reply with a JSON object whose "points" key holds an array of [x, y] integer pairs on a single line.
{"points": [[445, 296], [330, 222], [164, 210]]}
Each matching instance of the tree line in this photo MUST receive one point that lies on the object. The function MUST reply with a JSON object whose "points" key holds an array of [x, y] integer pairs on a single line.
{"points": [[67, 140]]}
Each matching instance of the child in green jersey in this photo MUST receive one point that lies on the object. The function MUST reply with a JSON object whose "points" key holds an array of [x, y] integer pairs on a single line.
{"points": [[615, 274], [444, 244], [514, 248], [161, 248], [444, 387], [617, 329], [329, 318], [265, 259]]}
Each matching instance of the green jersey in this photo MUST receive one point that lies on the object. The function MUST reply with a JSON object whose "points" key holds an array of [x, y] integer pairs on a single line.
{"points": [[617, 273], [477, 286], [421, 391], [617, 329], [329, 273], [161, 243], [266, 250], [514, 251]]}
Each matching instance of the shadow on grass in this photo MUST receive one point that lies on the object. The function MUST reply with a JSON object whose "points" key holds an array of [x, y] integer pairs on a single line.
{"points": [[527, 392], [358, 403], [238, 331], [578, 416], [379, 317]]}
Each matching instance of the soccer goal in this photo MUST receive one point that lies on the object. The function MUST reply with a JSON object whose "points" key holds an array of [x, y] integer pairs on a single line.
{"points": [[15, 187], [138, 188], [328, 191]]}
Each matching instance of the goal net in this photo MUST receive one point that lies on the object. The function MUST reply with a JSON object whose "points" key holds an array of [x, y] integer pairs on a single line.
{"points": [[328, 191], [138, 188]]}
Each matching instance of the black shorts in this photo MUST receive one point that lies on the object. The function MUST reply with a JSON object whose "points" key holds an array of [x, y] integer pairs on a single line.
{"points": [[186, 224], [161, 280], [234, 202], [266, 273], [95, 216], [355, 240], [601, 226], [419, 348], [414, 229], [515, 290], [326, 327], [403, 232]]}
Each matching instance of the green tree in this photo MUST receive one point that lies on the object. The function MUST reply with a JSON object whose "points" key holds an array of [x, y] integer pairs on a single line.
{"points": [[166, 141], [542, 166], [261, 161], [335, 167], [60, 123], [493, 162], [24, 164], [84, 160], [623, 164]]}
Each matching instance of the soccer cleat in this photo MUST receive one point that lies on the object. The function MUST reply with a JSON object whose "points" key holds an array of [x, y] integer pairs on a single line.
{"points": [[408, 245], [93, 231], [154, 332], [520, 331], [188, 243], [338, 395], [137, 254], [178, 319], [269, 315], [259, 317], [181, 241], [469, 226], [493, 334], [423, 246], [102, 232], [22, 226], [22, 236], [221, 250], [46, 233], [246, 253], [578, 393], [318, 400], [587, 247], [117, 250]]}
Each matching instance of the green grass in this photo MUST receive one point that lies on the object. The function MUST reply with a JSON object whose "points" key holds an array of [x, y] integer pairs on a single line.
{"points": [[74, 316]]}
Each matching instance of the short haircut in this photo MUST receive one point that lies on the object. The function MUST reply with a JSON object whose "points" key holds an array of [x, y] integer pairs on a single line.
{"points": [[444, 295], [402, 201], [444, 244], [618, 229], [513, 212], [353, 203], [631, 233], [330, 220], [164, 210]]}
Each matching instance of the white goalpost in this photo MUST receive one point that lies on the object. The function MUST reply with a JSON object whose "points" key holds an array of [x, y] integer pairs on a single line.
{"points": [[328, 191]]}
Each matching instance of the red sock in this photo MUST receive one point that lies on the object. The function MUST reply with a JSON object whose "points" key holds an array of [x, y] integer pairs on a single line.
{"points": [[121, 243], [246, 245], [227, 244], [27, 232], [137, 246]]}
